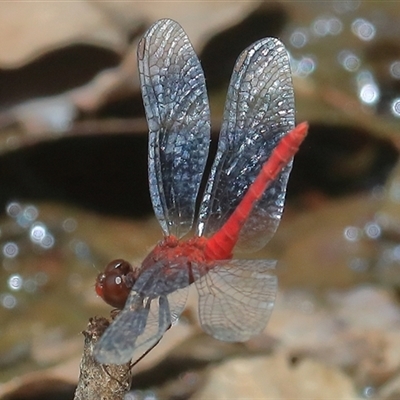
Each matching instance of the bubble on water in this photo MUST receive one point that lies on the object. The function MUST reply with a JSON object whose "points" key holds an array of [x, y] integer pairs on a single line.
{"points": [[395, 69], [10, 250], [13, 209], [323, 26], [8, 301], [396, 107], [47, 241], [368, 90], [15, 282], [349, 60], [304, 67], [37, 232], [345, 6], [81, 249], [335, 26], [352, 233], [31, 213], [368, 392], [363, 29], [299, 38], [27, 216], [320, 26], [69, 225], [372, 230], [369, 93], [30, 285]]}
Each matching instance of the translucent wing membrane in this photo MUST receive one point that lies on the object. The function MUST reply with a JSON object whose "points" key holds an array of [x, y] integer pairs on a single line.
{"points": [[177, 301], [259, 110], [236, 298], [139, 327], [177, 111], [118, 342]]}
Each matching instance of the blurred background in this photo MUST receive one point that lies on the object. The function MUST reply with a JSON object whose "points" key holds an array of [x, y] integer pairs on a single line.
{"points": [[74, 195]]}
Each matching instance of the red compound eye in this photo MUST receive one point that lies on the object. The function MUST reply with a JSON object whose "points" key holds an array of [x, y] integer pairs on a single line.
{"points": [[115, 283]]}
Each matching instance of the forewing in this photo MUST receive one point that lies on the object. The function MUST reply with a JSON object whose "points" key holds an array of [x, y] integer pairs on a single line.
{"points": [[236, 298], [158, 322], [177, 111], [163, 313], [259, 110], [118, 342]]}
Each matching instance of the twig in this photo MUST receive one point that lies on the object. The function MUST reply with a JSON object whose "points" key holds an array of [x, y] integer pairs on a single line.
{"points": [[98, 381]]}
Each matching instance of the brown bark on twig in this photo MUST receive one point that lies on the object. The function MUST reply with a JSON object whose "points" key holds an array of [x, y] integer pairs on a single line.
{"points": [[98, 381]]}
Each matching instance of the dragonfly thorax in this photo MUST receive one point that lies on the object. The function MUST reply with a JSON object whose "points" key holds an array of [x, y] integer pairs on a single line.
{"points": [[173, 264]]}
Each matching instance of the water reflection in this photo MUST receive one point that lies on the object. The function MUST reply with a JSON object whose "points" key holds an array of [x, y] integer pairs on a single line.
{"points": [[299, 38], [351, 40], [69, 225], [345, 6], [372, 230], [304, 66], [28, 243], [395, 69], [350, 61], [352, 233], [37, 232], [396, 107], [323, 26], [363, 29], [141, 395], [369, 392], [368, 90], [8, 301], [10, 250], [15, 282]]}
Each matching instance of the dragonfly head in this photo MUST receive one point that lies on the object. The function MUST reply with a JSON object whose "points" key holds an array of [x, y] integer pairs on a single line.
{"points": [[115, 283]]}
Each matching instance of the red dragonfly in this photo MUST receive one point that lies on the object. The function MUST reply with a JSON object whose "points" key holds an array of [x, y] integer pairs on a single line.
{"points": [[242, 203]]}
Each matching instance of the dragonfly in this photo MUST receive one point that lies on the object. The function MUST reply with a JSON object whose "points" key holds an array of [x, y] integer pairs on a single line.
{"points": [[242, 203]]}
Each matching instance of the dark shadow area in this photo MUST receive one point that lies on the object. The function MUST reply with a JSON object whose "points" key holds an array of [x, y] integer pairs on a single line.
{"points": [[220, 53], [105, 173], [47, 389], [340, 160], [54, 73]]}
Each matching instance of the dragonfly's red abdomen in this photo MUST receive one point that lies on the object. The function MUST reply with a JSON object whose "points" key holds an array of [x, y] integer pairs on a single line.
{"points": [[220, 245], [115, 283]]}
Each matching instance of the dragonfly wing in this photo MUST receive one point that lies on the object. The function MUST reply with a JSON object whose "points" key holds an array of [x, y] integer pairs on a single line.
{"points": [[177, 111], [117, 344], [163, 313], [177, 301], [158, 322], [236, 298], [259, 111], [145, 317]]}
